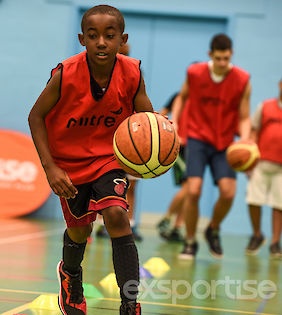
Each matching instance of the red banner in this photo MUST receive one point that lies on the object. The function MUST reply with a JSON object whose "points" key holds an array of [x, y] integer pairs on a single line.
{"points": [[23, 184]]}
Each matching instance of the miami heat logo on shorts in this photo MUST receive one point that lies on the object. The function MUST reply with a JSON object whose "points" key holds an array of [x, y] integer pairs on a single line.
{"points": [[120, 186]]}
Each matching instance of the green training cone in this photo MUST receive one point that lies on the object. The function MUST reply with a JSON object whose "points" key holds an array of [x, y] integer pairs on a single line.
{"points": [[90, 291]]}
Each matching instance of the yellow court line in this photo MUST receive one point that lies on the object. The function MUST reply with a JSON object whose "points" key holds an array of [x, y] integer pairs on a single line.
{"points": [[192, 307], [211, 309]]}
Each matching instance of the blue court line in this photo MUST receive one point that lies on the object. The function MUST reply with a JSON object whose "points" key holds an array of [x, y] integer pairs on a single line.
{"points": [[262, 304]]}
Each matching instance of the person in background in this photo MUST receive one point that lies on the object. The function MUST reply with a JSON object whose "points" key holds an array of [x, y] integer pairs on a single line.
{"points": [[176, 205], [131, 192], [265, 181], [72, 125], [175, 208], [219, 109]]}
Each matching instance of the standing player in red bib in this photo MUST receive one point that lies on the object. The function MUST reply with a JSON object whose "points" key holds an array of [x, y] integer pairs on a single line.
{"points": [[219, 95], [265, 183], [72, 124]]}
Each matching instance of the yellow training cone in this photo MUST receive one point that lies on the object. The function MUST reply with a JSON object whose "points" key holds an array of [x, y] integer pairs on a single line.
{"points": [[157, 266], [109, 283], [46, 302]]}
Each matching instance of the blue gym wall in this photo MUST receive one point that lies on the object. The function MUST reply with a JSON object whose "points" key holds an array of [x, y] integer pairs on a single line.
{"points": [[37, 34]]}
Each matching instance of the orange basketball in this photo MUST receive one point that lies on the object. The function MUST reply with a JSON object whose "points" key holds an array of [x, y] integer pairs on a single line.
{"points": [[146, 145], [242, 155]]}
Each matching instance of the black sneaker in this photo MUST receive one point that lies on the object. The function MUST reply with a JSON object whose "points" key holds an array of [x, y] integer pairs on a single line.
{"points": [[275, 250], [175, 235], [163, 227], [71, 300], [102, 232], [255, 244], [130, 308], [213, 239], [189, 251]]}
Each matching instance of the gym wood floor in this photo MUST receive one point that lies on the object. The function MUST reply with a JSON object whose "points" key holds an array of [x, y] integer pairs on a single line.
{"points": [[236, 284]]}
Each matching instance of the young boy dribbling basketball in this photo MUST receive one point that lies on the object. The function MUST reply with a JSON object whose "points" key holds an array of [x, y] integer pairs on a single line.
{"points": [[72, 124]]}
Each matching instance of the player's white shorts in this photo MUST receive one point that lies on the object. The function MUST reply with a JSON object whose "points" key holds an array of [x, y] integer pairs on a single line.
{"points": [[265, 185]]}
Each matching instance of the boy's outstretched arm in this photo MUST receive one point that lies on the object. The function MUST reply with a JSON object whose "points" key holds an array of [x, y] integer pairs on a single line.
{"points": [[57, 178]]}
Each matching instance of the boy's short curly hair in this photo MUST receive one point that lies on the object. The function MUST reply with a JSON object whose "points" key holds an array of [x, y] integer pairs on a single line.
{"points": [[104, 9]]}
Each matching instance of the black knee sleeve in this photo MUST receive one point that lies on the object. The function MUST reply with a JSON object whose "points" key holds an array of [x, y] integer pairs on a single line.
{"points": [[126, 265], [72, 254]]}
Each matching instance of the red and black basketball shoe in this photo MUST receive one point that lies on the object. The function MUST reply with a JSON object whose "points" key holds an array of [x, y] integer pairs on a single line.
{"points": [[71, 299]]}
